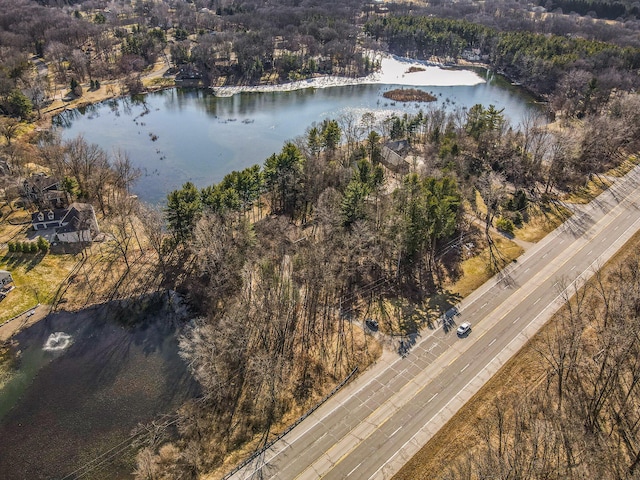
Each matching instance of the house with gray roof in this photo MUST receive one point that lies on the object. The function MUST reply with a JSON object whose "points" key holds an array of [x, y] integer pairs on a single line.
{"points": [[77, 223], [6, 283], [5, 278], [44, 191]]}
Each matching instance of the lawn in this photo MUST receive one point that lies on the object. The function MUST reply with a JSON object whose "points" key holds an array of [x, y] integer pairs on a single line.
{"points": [[36, 278]]}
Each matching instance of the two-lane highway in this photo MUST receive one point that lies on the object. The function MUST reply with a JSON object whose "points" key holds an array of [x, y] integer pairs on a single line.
{"points": [[375, 424]]}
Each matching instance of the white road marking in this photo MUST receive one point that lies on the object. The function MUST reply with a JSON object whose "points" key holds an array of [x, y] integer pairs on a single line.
{"points": [[356, 467], [561, 242], [527, 270], [516, 320], [633, 227], [617, 226], [434, 396], [545, 254], [572, 268], [397, 430], [493, 341], [589, 252], [464, 368], [484, 304], [537, 301]]}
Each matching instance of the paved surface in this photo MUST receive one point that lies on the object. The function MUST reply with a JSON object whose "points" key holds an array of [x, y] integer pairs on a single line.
{"points": [[25, 319], [376, 423]]}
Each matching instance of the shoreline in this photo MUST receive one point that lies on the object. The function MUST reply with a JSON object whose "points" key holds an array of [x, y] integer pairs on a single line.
{"points": [[394, 70]]}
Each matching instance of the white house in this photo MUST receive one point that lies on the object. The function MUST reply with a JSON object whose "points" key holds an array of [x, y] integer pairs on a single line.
{"points": [[6, 281], [47, 219], [77, 223], [5, 278]]}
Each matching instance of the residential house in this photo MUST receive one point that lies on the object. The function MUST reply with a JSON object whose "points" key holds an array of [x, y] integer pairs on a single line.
{"points": [[77, 223], [5, 278], [392, 156], [44, 191], [6, 281], [45, 219]]}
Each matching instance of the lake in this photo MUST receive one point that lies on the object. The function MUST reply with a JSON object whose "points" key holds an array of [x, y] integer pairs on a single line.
{"points": [[84, 381], [180, 135]]}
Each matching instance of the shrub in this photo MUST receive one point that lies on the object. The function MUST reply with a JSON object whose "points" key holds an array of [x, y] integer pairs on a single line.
{"points": [[505, 225], [43, 244], [33, 247], [12, 246], [518, 219]]}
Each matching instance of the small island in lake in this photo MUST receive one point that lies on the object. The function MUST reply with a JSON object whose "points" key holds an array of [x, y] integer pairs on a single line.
{"points": [[409, 95]]}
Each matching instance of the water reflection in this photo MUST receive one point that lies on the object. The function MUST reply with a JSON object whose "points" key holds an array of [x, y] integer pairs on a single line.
{"points": [[180, 135]]}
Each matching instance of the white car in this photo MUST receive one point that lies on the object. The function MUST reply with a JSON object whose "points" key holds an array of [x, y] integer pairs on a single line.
{"points": [[464, 329]]}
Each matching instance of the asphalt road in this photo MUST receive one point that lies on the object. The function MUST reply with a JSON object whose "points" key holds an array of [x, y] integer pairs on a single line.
{"points": [[376, 423]]}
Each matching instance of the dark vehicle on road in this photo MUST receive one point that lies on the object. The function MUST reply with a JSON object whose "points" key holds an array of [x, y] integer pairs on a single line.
{"points": [[371, 324]]}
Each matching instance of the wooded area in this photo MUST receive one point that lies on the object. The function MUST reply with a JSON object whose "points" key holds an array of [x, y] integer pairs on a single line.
{"points": [[546, 64], [281, 262], [280, 259]]}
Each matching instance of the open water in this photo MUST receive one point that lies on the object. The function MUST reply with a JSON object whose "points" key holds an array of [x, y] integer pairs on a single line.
{"points": [[180, 135]]}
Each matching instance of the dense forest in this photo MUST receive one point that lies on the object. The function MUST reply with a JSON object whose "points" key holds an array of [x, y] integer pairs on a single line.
{"points": [[239, 43], [543, 63], [48, 49], [599, 9]]}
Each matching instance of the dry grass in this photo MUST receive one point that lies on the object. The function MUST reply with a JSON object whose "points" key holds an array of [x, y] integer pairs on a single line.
{"points": [[514, 380], [160, 82], [625, 167], [9, 233], [588, 192], [398, 316], [542, 220], [480, 206], [102, 274], [476, 270]]}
